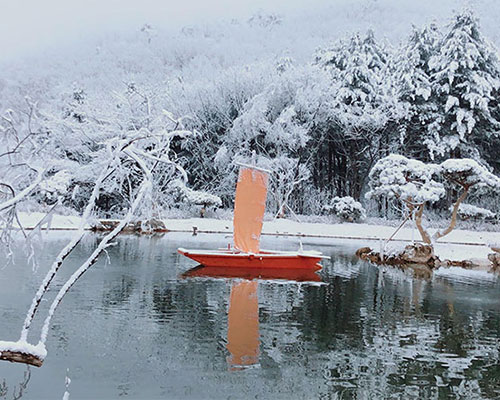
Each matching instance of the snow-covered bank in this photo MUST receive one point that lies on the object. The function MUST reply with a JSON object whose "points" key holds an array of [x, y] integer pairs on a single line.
{"points": [[345, 230], [54, 222], [458, 245]]}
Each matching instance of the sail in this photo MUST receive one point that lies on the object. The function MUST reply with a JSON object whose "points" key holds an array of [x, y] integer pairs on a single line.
{"points": [[249, 207]]}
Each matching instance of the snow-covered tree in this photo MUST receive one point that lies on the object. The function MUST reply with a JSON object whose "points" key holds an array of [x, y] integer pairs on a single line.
{"points": [[349, 127], [187, 195], [213, 105], [410, 181], [357, 66], [25, 164], [467, 175], [287, 175], [465, 88], [413, 87], [416, 184], [274, 126], [139, 159]]}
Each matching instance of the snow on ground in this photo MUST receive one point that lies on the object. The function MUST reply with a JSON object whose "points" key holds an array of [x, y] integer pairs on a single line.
{"points": [[32, 219], [345, 230], [458, 245]]}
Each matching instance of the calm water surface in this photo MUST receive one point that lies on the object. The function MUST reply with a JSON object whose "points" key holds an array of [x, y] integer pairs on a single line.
{"points": [[137, 328]]}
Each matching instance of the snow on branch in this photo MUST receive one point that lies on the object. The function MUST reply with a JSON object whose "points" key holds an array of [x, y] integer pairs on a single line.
{"points": [[124, 157], [25, 192], [197, 197], [467, 172], [467, 211], [105, 242], [411, 181]]}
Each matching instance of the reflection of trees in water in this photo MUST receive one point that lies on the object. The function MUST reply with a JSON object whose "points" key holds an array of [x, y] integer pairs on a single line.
{"points": [[131, 252], [380, 337], [189, 309], [368, 333], [17, 390], [118, 291]]}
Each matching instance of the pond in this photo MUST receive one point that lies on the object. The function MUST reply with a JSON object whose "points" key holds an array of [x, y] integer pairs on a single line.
{"points": [[135, 326]]}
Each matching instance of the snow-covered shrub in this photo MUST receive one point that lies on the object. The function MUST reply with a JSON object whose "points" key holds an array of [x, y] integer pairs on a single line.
{"points": [[55, 186], [346, 208], [469, 211], [182, 193]]}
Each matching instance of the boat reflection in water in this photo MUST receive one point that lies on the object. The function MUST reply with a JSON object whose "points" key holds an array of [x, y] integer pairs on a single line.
{"points": [[243, 339]]}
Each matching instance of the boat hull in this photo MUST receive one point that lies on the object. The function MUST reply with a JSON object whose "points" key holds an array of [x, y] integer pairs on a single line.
{"points": [[275, 260]]}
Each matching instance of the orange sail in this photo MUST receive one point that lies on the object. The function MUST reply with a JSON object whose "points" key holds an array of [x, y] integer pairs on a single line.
{"points": [[249, 207]]}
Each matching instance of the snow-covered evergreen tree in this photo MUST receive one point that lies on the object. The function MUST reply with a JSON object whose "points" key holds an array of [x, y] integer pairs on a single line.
{"points": [[413, 88], [465, 89], [349, 128], [356, 67]]}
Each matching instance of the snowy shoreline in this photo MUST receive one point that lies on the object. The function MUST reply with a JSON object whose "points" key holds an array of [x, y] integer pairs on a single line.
{"points": [[458, 245]]}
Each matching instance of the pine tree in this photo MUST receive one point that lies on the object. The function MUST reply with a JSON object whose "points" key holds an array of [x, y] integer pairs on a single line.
{"points": [[356, 67], [465, 86], [350, 137], [413, 88]]}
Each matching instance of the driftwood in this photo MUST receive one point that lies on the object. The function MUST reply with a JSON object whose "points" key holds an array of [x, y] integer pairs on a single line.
{"points": [[24, 358]]}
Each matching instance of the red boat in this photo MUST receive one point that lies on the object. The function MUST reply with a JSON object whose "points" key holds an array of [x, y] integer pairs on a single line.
{"points": [[263, 259], [249, 207]]}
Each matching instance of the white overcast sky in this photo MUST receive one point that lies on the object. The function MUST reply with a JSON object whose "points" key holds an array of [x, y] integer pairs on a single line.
{"points": [[27, 25], [30, 26]]}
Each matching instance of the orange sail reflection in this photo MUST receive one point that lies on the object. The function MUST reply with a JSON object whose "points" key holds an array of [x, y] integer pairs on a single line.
{"points": [[243, 325], [243, 339], [249, 207]]}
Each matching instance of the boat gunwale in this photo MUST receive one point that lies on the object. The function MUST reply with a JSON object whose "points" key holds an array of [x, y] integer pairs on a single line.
{"points": [[265, 254]]}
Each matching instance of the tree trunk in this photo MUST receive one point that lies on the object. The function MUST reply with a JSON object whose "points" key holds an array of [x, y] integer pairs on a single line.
{"points": [[453, 222], [418, 221]]}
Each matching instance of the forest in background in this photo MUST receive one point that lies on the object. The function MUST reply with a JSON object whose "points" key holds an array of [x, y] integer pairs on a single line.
{"points": [[318, 117]]}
